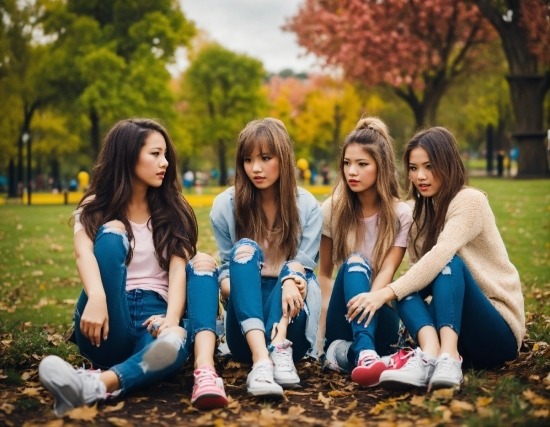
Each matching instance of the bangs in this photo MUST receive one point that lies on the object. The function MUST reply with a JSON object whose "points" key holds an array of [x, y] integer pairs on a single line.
{"points": [[261, 139]]}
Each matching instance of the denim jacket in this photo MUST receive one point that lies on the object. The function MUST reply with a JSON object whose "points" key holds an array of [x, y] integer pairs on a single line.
{"points": [[222, 218]]}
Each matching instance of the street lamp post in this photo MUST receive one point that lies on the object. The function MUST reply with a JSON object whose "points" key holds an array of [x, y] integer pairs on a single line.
{"points": [[28, 140]]}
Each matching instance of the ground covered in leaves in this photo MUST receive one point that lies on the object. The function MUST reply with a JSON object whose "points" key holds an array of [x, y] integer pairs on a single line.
{"points": [[516, 394]]}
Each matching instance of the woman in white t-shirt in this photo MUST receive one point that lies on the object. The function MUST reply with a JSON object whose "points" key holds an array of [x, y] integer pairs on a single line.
{"points": [[135, 240], [365, 229]]}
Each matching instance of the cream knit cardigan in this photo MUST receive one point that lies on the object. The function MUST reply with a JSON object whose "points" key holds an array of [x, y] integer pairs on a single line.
{"points": [[470, 231]]}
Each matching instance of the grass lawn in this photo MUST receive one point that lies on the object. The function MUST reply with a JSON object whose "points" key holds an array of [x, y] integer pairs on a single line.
{"points": [[39, 286]]}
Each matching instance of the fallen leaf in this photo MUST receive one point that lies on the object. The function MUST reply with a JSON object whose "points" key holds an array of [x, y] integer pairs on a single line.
{"points": [[485, 412], [535, 399], [295, 410], [84, 413], [459, 407], [380, 406], [352, 405], [325, 400], [338, 393], [443, 394], [114, 408], [540, 413], [7, 408], [119, 422], [31, 391], [483, 401], [419, 401]]}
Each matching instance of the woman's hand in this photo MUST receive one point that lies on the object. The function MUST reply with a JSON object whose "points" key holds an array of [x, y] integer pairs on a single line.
{"points": [[157, 323], [94, 323], [363, 306], [292, 299]]}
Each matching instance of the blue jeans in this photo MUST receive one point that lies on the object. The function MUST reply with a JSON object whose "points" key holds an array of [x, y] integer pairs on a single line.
{"points": [[381, 334], [484, 338], [128, 340], [255, 302]]}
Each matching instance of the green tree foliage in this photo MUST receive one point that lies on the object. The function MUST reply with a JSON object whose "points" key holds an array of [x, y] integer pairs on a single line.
{"points": [[110, 59], [223, 91]]}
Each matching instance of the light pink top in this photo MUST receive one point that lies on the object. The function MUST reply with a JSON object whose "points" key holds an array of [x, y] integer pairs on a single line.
{"points": [[366, 247], [144, 271]]}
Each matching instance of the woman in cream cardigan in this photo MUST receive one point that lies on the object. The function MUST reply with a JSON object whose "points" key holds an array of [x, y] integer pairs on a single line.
{"points": [[461, 300]]}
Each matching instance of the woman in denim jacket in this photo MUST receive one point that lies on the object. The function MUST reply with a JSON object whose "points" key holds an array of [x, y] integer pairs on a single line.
{"points": [[268, 232]]}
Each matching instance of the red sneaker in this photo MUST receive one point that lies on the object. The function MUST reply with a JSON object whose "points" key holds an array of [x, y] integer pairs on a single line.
{"points": [[208, 391], [368, 370]]}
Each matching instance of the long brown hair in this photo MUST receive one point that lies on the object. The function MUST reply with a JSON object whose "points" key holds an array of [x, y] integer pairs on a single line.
{"points": [[373, 136], [446, 164], [173, 221], [270, 136]]}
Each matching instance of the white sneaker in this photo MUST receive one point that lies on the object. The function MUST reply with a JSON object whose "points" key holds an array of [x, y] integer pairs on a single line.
{"points": [[162, 352], [71, 387], [284, 371], [416, 371], [260, 380], [447, 373], [336, 357]]}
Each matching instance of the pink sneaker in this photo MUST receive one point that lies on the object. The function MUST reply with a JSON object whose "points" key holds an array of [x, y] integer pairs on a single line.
{"points": [[368, 370], [208, 391]]}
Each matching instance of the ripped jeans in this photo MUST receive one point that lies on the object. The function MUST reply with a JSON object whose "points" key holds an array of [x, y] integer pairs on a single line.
{"points": [[128, 340], [382, 332], [255, 302], [484, 338]]}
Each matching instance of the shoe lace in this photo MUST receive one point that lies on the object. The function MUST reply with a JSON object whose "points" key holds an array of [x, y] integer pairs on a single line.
{"points": [[413, 360], [204, 377], [400, 358], [283, 359], [367, 359], [263, 373], [446, 365], [91, 385]]}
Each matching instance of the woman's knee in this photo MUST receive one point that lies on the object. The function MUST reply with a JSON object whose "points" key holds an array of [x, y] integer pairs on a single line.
{"points": [[244, 250], [356, 263], [204, 263], [356, 259], [114, 226]]}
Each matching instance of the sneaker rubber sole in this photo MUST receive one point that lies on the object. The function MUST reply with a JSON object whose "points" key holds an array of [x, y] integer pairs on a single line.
{"points": [[160, 355], [398, 384], [368, 376], [210, 401]]}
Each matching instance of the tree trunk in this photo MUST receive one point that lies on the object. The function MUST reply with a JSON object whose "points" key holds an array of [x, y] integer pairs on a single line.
{"points": [[424, 110], [528, 87], [527, 93], [222, 151], [12, 179], [95, 133]]}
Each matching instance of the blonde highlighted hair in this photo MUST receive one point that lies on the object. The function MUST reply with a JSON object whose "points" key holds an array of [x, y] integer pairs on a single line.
{"points": [[373, 136]]}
